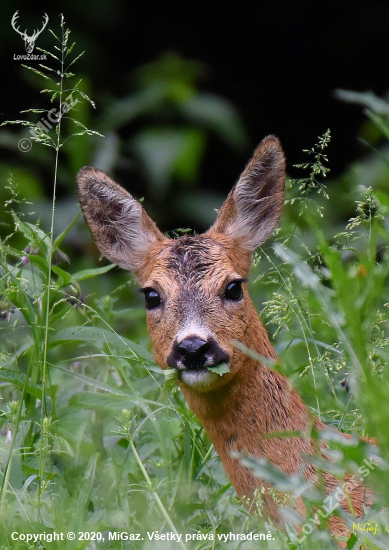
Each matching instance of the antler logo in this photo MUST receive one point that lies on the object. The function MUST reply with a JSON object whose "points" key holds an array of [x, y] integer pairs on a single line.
{"points": [[29, 41]]}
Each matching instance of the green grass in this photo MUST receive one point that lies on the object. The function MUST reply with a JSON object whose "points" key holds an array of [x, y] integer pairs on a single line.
{"points": [[96, 439]]}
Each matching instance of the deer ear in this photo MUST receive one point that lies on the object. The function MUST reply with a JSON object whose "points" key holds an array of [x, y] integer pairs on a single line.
{"points": [[253, 208], [120, 227]]}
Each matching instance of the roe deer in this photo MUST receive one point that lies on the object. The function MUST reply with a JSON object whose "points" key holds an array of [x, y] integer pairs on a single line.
{"points": [[197, 305]]}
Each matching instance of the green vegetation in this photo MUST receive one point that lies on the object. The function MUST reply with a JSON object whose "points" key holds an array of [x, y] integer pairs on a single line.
{"points": [[94, 437]]}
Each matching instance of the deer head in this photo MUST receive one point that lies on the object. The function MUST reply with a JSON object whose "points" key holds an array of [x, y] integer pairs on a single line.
{"points": [[194, 286], [29, 41]]}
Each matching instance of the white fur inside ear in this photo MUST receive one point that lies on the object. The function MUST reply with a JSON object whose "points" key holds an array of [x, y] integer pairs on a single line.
{"points": [[258, 209], [123, 220], [253, 208], [119, 225]]}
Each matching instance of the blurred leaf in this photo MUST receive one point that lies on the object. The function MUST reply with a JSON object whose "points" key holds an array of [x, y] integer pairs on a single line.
{"points": [[27, 185], [264, 469], [218, 115], [169, 152], [352, 541], [170, 67], [379, 122], [123, 111], [300, 268], [384, 199], [268, 361], [366, 99], [187, 164], [106, 154], [19, 380], [198, 205], [100, 401], [92, 382]]}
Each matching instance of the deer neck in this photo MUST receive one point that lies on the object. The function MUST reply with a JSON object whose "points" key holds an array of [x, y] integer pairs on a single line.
{"points": [[241, 415]]}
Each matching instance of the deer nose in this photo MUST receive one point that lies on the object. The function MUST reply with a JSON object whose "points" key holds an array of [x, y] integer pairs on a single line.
{"points": [[192, 347], [195, 353]]}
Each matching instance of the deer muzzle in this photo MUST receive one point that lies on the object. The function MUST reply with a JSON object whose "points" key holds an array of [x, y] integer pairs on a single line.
{"points": [[193, 356]]}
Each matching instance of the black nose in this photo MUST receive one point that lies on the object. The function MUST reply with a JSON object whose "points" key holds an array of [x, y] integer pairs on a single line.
{"points": [[195, 353], [192, 347]]}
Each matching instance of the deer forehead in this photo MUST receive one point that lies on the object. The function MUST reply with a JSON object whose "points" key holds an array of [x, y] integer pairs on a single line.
{"points": [[193, 263]]}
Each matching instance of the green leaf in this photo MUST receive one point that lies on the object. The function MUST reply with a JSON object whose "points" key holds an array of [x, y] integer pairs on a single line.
{"points": [[60, 237], [301, 269], [220, 369], [383, 198], [171, 376], [379, 122], [32, 233], [351, 541], [187, 164], [39, 261], [123, 111], [100, 401], [64, 277], [19, 380], [262, 468], [91, 382], [100, 337], [88, 273], [271, 363], [366, 99], [169, 152], [23, 302], [218, 115]]}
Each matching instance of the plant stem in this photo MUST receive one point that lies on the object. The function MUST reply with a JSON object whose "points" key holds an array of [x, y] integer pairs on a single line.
{"points": [[153, 492], [50, 259]]}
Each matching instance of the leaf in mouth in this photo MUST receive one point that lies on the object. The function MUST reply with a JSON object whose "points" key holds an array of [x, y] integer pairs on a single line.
{"points": [[220, 369], [170, 374]]}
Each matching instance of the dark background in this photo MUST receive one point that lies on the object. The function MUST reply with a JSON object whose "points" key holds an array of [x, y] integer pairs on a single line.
{"points": [[277, 62]]}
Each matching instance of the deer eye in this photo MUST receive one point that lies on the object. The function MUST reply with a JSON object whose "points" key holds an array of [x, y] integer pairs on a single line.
{"points": [[234, 291], [152, 298]]}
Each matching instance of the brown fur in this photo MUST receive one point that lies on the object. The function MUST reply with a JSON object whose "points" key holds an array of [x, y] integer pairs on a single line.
{"points": [[190, 274]]}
